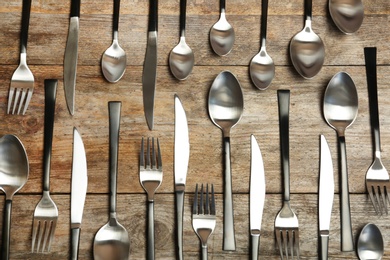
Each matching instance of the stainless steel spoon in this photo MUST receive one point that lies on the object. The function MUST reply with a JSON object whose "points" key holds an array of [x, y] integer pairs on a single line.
{"points": [[181, 58], [307, 51], [112, 240], [347, 14], [340, 111], [14, 171], [370, 243], [114, 58], [225, 106], [222, 33], [262, 67]]}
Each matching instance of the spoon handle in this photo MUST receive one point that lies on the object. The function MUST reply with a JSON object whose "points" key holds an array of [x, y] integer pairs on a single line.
{"points": [[284, 109], [308, 9], [114, 108], [264, 16], [183, 7], [50, 104], [222, 6], [115, 25], [6, 230], [25, 22], [370, 58]]}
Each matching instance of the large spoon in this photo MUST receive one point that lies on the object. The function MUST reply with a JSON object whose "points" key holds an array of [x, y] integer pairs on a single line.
{"points": [[112, 240], [347, 14], [370, 243], [262, 67], [14, 171], [181, 58], [307, 51], [114, 58], [225, 105], [340, 111], [222, 33]]}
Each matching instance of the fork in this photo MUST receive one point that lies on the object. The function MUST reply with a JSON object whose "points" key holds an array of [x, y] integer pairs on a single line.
{"points": [[150, 176], [203, 216], [377, 177], [22, 81], [46, 212], [286, 222]]}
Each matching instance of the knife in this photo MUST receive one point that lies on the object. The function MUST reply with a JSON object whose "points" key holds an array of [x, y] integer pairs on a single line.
{"points": [[326, 194], [79, 191], [150, 65], [256, 196], [71, 53], [182, 155]]}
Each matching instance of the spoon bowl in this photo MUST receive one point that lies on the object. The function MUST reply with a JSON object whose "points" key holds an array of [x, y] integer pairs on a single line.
{"points": [[114, 62], [347, 14], [222, 34], [370, 244]]}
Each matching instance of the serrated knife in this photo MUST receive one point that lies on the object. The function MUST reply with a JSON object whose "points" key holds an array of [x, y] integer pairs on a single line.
{"points": [[71, 54], [149, 73], [181, 158], [326, 193], [256, 196], [78, 192]]}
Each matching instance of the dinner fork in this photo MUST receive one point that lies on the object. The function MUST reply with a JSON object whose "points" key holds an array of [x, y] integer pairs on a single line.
{"points": [[46, 212], [150, 175], [377, 177], [203, 216], [22, 81], [286, 222]]}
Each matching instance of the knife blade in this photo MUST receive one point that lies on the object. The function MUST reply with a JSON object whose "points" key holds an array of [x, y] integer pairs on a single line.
{"points": [[78, 192], [149, 73], [256, 195], [71, 54], [326, 194], [181, 157]]}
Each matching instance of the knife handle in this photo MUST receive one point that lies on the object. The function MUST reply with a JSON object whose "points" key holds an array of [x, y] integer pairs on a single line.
{"points": [[183, 7], [324, 246], [50, 104], [255, 247], [179, 223], [153, 15], [115, 25], [150, 230], [26, 10], [74, 243], [6, 230], [75, 8]]}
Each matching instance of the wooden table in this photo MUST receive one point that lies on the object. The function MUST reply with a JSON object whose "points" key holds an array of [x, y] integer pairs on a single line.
{"points": [[47, 37]]}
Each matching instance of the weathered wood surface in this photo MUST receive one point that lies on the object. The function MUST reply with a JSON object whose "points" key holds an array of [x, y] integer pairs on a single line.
{"points": [[47, 37]]}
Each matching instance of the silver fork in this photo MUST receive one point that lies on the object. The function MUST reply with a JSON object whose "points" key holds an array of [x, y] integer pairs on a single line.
{"points": [[150, 176], [286, 222], [377, 177], [46, 212], [22, 81], [203, 216]]}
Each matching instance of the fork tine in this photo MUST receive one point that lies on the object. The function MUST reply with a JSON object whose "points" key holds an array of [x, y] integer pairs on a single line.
{"points": [[40, 233], [195, 205], [284, 241], [278, 240], [201, 204], [212, 204], [290, 235], [296, 242], [153, 166], [371, 192], [51, 236], [16, 100], [28, 99], [148, 154], [159, 162], [46, 232], [22, 100], [207, 205], [383, 196], [142, 155], [34, 234], [10, 98]]}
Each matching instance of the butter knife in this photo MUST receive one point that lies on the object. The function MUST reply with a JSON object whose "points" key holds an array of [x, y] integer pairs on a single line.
{"points": [[182, 155], [150, 65], [78, 192], [326, 193], [256, 196], [71, 53]]}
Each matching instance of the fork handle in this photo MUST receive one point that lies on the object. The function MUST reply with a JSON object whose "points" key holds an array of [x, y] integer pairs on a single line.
{"points": [[6, 230], [204, 252], [50, 104], [150, 230], [255, 247], [179, 223], [75, 241], [26, 9]]}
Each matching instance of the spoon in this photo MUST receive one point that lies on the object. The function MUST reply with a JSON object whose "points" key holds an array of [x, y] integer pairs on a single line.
{"points": [[114, 58], [347, 14], [340, 111], [225, 105], [14, 171], [112, 240], [370, 243], [222, 33], [262, 67], [181, 58], [307, 50]]}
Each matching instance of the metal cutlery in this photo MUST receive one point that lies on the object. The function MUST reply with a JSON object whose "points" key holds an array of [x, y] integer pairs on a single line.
{"points": [[256, 196], [286, 222], [78, 192], [150, 175], [71, 55], [326, 194], [22, 81], [181, 158], [377, 177], [46, 212]]}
